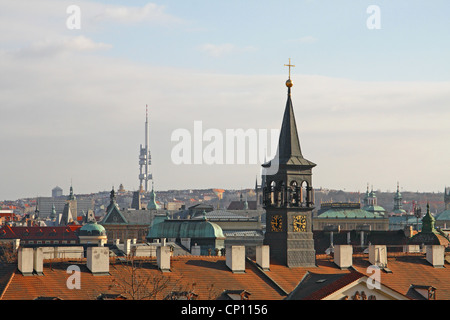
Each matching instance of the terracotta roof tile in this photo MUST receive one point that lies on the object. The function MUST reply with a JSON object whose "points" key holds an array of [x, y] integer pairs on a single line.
{"points": [[208, 277]]}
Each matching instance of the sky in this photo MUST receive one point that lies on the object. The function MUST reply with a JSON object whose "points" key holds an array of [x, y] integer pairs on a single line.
{"points": [[371, 91]]}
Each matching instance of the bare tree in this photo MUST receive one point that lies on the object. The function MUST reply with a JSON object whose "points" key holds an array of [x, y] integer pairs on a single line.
{"points": [[136, 284], [8, 254]]}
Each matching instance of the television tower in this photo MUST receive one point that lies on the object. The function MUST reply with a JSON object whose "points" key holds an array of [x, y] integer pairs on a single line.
{"points": [[145, 159]]}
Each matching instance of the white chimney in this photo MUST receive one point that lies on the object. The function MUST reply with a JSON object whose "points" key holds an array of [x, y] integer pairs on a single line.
{"points": [[163, 258], [127, 247], [25, 261], [263, 257], [38, 261], [435, 255], [235, 258], [343, 256], [116, 242], [378, 255], [196, 250], [98, 260]]}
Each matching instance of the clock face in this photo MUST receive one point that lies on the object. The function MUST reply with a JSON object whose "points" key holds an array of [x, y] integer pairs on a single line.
{"points": [[300, 223], [277, 223]]}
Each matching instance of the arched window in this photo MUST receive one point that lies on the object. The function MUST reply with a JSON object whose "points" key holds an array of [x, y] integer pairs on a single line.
{"points": [[273, 193], [282, 194], [294, 194], [304, 194]]}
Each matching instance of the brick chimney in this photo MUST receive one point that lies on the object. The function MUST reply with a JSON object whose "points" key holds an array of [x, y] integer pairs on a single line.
{"points": [[343, 256], [235, 258]]}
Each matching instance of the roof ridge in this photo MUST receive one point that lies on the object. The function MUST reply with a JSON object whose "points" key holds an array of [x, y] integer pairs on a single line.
{"points": [[8, 283], [261, 271]]}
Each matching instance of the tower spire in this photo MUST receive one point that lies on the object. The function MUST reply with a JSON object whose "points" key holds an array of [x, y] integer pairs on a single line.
{"points": [[289, 151]]}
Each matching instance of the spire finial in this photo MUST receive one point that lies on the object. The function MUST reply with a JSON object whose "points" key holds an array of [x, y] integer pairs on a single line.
{"points": [[289, 82]]}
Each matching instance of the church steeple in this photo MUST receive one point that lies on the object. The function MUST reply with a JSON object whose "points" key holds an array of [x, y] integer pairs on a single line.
{"points": [[289, 150], [288, 197]]}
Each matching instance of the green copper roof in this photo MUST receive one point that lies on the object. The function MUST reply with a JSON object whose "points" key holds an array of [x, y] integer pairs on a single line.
{"points": [[377, 209], [349, 213], [152, 205], [428, 222], [195, 228], [444, 215]]}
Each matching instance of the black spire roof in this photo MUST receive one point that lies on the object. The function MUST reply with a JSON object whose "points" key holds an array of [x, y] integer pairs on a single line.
{"points": [[289, 151]]}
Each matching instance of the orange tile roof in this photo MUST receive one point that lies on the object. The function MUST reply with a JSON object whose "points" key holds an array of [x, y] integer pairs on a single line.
{"points": [[209, 277], [410, 269]]}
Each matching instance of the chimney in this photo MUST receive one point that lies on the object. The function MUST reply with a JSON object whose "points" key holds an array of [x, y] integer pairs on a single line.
{"points": [[116, 242], [235, 258], [98, 260], [343, 256], [378, 255], [25, 261], [196, 250], [163, 258], [38, 261], [127, 246], [435, 255], [263, 257]]}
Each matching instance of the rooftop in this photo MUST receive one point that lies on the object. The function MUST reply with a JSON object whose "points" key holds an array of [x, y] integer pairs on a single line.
{"points": [[208, 277]]}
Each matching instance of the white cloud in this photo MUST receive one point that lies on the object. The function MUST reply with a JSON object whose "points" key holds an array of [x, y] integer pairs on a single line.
{"points": [[150, 12], [81, 117], [50, 47], [224, 49]]}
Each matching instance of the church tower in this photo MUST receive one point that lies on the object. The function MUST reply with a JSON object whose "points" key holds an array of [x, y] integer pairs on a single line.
{"points": [[288, 197], [447, 198]]}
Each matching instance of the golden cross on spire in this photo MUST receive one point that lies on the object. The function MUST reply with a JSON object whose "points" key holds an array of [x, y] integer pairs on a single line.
{"points": [[289, 65]]}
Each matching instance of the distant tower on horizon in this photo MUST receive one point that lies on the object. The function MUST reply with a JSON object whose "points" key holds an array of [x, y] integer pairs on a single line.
{"points": [[447, 198], [145, 159]]}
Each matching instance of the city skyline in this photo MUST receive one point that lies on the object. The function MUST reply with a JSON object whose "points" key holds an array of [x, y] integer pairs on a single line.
{"points": [[371, 105]]}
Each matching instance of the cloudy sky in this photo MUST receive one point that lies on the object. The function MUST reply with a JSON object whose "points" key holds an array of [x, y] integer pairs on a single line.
{"points": [[371, 90]]}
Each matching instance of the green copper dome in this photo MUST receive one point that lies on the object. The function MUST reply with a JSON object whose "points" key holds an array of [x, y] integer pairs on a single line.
{"points": [[92, 229]]}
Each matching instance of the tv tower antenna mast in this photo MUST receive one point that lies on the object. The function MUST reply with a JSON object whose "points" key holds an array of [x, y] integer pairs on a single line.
{"points": [[145, 159]]}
